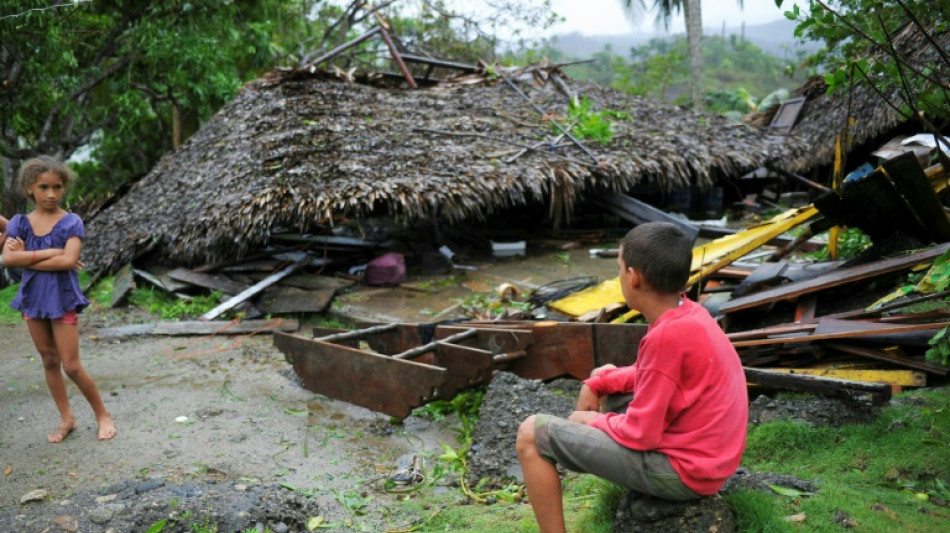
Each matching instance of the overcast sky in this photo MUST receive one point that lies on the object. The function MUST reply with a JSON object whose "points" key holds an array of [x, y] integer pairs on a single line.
{"points": [[593, 17]]}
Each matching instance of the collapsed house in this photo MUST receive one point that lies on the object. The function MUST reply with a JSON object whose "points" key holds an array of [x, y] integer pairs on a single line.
{"points": [[297, 151]]}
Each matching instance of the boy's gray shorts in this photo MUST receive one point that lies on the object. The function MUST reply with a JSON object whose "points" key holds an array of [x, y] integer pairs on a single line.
{"points": [[582, 448]]}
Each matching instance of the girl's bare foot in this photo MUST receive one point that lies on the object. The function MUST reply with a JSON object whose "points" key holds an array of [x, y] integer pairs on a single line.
{"points": [[106, 428], [65, 428]]}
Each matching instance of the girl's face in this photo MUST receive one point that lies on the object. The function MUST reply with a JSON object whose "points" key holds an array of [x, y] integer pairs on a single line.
{"points": [[48, 191]]}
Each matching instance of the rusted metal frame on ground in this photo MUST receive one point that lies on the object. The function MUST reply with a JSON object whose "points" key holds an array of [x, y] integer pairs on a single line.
{"points": [[305, 61], [881, 355], [834, 279], [396, 57], [499, 139], [880, 392], [532, 350], [556, 124], [880, 329]]}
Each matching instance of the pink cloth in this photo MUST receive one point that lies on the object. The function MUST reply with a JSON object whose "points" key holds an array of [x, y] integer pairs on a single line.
{"points": [[690, 399], [387, 269]]}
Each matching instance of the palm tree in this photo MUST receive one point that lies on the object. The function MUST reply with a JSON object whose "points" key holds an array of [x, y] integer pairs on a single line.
{"points": [[692, 12]]}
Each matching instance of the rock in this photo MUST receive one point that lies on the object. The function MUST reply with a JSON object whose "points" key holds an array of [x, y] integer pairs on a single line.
{"points": [[508, 401], [638, 513], [745, 480], [103, 514], [34, 496], [65, 523]]}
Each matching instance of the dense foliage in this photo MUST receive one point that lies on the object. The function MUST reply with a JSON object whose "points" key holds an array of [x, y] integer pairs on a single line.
{"points": [[861, 49]]}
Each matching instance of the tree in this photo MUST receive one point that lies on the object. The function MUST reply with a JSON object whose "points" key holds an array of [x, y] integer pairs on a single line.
{"points": [[862, 49], [128, 78], [692, 12]]}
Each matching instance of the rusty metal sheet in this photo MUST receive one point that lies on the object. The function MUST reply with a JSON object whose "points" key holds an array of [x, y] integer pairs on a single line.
{"points": [[369, 380], [617, 344], [466, 366], [495, 340], [559, 349]]}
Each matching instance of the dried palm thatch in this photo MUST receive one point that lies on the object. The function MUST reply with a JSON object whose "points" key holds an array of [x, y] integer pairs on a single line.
{"points": [[296, 149], [825, 116]]}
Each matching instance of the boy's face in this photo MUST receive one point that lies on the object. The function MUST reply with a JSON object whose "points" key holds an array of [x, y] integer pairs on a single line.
{"points": [[626, 273]]}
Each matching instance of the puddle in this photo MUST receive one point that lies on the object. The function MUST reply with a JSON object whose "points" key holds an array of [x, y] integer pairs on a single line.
{"points": [[536, 269]]}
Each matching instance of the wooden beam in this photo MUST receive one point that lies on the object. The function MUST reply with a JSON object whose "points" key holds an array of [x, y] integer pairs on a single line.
{"points": [[881, 355], [903, 378], [224, 327], [880, 392], [256, 288], [834, 279], [849, 334]]}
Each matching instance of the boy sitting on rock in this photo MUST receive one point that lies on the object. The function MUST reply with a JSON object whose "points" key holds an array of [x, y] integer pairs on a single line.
{"points": [[683, 433]]}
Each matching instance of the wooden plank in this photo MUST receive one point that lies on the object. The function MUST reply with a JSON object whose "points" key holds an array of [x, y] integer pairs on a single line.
{"points": [[123, 286], [761, 333], [834, 279], [200, 328], [881, 392], [881, 355], [903, 378], [637, 212], [254, 289], [765, 273], [282, 300], [208, 281], [909, 179], [305, 280], [147, 276], [849, 334]]}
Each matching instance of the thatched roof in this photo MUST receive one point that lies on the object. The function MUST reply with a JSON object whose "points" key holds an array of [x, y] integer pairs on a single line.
{"points": [[293, 150], [824, 116]]}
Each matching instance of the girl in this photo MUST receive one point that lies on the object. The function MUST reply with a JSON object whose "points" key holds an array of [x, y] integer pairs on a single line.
{"points": [[46, 243]]}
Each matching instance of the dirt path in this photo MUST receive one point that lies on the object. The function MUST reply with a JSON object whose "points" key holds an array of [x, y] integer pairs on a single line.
{"points": [[248, 424]]}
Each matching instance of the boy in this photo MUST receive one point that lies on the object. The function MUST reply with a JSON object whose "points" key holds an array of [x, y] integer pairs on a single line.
{"points": [[684, 431]]}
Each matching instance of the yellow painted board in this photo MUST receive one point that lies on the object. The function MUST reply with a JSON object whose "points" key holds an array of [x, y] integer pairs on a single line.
{"points": [[904, 378], [707, 258]]}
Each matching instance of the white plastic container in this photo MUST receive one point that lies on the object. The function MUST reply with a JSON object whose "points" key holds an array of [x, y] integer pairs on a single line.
{"points": [[508, 249]]}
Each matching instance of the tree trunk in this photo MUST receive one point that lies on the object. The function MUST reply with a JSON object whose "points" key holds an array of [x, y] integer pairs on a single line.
{"points": [[694, 36], [10, 203]]}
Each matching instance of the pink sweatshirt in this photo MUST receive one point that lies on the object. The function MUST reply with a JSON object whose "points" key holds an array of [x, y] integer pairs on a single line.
{"points": [[690, 399]]}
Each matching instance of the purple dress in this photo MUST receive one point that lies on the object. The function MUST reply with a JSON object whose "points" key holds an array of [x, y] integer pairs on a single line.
{"points": [[48, 294]]}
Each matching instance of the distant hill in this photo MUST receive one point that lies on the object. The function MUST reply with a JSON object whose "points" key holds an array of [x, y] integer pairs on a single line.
{"points": [[776, 38]]}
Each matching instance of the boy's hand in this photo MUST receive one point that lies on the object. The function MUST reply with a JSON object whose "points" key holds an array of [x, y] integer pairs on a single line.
{"points": [[597, 370], [583, 417], [588, 400]]}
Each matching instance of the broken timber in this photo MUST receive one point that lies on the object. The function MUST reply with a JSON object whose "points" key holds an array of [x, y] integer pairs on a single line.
{"points": [[833, 279], [878, 392], [256, 288], [241, 327]]}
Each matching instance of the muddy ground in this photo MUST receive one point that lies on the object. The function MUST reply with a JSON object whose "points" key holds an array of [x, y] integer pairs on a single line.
{"points": [[220, 421], [219, 428]]}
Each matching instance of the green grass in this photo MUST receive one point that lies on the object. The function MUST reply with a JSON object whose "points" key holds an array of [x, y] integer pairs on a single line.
{"points": [[878, 473]]}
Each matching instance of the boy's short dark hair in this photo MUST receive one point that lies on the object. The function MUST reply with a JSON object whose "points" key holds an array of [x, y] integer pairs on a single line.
{"points": [[661, 253]]}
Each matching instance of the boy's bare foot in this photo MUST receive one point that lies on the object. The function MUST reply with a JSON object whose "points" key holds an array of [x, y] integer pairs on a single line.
{"points": [[106, 428], [65, 428]]}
